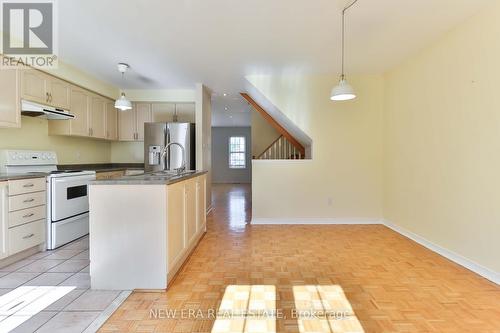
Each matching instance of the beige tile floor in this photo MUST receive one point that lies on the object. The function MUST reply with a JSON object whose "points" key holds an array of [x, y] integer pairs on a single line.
{"points": [[80, 310]]}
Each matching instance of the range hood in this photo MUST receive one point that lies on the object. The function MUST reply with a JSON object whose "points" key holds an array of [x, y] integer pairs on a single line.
{"points": [[32, 109]]}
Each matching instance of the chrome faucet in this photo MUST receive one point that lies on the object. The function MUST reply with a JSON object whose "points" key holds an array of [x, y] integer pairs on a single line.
{"points": [[183, 164]]}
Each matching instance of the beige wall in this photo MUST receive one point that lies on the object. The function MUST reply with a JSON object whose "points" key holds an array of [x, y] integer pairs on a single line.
{"points": [[127, 152], [442, 142], [344, 179], [263, 134], [70, 150]]}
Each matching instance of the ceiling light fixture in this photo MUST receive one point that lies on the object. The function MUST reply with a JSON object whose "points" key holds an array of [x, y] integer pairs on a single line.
{"points": [[343, 91], [123, 103]]}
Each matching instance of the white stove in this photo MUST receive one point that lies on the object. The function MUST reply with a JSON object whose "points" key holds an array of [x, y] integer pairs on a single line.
{"points": [[67, 193]]}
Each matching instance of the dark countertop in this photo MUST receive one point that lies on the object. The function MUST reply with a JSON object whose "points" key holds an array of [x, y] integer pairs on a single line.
{"points": [[102, 167], [148, 179], [5, 176]]}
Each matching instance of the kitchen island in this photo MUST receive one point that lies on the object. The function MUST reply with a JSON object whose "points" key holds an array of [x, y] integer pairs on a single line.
{"points": [[143, 228]]}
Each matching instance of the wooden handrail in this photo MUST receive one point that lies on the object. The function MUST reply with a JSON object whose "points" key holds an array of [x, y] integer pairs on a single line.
{"points": [[275, 124], [268, 147]]}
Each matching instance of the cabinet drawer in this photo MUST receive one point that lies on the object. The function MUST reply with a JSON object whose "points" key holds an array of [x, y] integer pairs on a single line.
{"points": [[28, 200], [26, 186], [25, 236], [26, 215]]}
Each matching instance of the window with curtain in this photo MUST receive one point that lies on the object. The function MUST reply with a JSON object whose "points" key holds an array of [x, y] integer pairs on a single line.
{"points": [[237, 152]]}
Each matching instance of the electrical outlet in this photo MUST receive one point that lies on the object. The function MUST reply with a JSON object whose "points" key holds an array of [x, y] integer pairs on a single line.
{"points": [[77, 155]]}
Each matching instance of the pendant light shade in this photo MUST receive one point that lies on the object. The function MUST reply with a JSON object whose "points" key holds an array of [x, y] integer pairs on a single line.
{"points": [[123, 103], [343, 91]]}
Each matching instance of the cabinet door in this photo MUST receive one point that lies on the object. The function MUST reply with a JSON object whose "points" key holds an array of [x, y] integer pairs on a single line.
{"points": [[59, 93], [143, 111], [33, 86], [186, 112], [201, 208], [10, 110], [79, 107], [111, 121], [3, 220], [191, 214], [126, 125], [163, 112], [175, 224], [98, 117]]}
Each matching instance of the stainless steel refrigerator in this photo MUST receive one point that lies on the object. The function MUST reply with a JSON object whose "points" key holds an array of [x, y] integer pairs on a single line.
{"points": [[158, 135]]}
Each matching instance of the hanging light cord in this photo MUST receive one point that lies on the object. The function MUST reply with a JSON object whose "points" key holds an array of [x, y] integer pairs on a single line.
{"points": [[343, 33]]}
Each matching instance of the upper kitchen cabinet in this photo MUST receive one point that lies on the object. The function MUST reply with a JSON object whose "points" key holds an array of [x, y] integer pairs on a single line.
{"points": [[10, 106], [111, 121], [186, 112], [97, 117], [59, 92], [131, 122], [39, 87], [164, 112], [143, 116], [80, 125], [33, 86]]}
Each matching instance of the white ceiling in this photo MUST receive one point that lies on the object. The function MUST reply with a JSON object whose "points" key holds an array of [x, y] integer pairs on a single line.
{"points": [[230, 111], [175, 43]]}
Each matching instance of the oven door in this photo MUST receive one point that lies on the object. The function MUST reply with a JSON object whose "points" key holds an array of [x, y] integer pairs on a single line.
{"points": [[69, 196]]}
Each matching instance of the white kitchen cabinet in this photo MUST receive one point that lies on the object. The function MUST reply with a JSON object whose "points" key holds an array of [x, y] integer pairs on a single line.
{"points": [[10, 105], [190, 210], [201, 203]]}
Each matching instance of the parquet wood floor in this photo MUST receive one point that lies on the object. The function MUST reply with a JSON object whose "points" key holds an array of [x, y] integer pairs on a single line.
{"points": [[385, 281]]}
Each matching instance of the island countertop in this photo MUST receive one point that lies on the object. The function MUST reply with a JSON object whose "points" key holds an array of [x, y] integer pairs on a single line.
{"points": [[149, 178]]}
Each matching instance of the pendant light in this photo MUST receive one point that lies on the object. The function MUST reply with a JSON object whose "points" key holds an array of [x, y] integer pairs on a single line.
{"points": [[123, 103], [343, 91]]}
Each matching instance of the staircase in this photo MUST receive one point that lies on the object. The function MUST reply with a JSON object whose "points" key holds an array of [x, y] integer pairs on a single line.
{"points": [[281, 149], [285, 147]]}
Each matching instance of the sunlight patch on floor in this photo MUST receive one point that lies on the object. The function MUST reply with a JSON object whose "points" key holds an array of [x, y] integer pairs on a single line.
{"points": [[22, 303], [324, 309], [247, 309]]}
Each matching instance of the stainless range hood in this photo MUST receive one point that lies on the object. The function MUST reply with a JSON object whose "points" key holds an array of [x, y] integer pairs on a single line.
{"points": [[32, 109]]}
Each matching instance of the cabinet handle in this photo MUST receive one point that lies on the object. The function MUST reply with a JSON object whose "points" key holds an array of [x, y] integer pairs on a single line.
{"points": [[46, 96], [28, 215], [29, 185], [28, 236], [29, 200]]}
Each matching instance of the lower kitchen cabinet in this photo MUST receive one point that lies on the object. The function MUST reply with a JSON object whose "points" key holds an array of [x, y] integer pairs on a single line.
{"points": [[4, 223], [22, 215], [167, 220]]}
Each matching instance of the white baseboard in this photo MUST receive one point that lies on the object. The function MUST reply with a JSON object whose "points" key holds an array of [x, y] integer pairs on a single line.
{"points": [[457, 258], [312, 221]]}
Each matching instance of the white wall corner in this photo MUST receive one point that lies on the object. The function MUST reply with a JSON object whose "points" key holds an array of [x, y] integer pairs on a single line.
{"points": [[456, 258]]}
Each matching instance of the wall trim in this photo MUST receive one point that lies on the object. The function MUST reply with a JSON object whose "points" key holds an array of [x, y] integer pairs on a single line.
{"points": [[455, 257], [448, 254], [312, 221]]}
